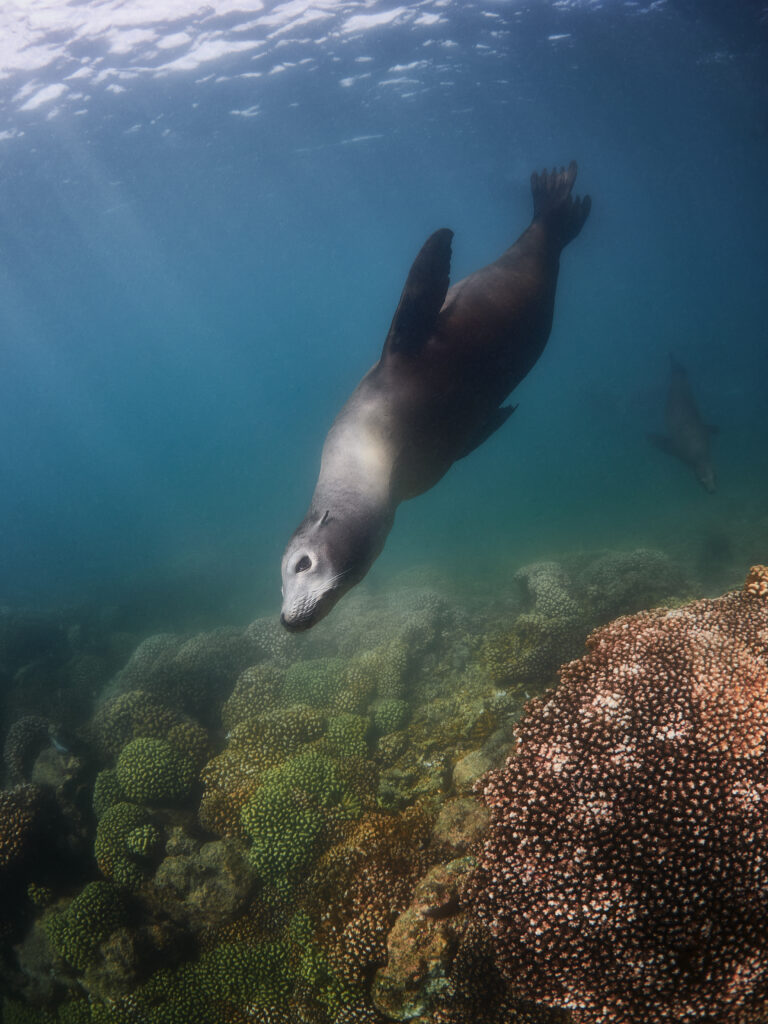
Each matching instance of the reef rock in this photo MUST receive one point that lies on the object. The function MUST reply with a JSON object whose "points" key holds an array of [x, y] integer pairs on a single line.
{"points": [[207, 886], [422, 943], [461, 825], [493, 753]]}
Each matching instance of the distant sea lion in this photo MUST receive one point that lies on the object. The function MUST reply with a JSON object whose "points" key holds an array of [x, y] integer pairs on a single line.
{"points": [[689, 438], [451, 358]]}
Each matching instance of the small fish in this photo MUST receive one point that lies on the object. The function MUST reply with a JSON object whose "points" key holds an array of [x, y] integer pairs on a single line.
{"points": [[60, 747]]}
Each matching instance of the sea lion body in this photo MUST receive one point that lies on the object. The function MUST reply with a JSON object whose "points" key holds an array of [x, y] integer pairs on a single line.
{"points": [[451, 358], [688, 437]]}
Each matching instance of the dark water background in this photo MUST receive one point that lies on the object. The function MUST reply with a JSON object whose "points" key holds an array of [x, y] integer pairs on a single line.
{"points": [[199, 258]]}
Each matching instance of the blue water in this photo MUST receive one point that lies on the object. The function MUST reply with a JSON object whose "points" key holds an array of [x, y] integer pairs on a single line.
{"points": [[205, 224]]}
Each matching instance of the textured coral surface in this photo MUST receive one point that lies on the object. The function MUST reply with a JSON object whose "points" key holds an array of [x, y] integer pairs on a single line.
{"points": [[244, 825], [626, 872]]}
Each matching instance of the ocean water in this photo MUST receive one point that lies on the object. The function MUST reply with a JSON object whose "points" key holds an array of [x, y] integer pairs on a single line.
{"points": [[207, 214]]}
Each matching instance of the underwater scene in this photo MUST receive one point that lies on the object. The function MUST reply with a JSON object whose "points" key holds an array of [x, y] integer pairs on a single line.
{"points": [[384, 512]]}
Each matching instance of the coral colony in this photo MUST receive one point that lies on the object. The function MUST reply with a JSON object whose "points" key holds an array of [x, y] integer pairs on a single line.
{"points": [[626, 872], [246, 826]]}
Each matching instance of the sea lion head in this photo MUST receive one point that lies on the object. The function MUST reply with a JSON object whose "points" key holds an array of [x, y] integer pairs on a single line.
{"points": [[327, 555]]}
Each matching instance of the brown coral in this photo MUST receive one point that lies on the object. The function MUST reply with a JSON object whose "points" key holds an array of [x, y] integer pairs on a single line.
{"points": [[757, 581], [255, 744], [24, 740], [375, 871], [626, 873], [19, 808]]}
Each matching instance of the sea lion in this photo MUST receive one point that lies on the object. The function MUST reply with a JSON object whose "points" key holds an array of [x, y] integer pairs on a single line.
{"points": [[689, 438], [451, 358]]}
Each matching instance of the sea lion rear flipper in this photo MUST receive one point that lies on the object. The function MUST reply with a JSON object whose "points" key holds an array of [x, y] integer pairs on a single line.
{"points": [[422, 297], [663, 443], [497, 419], [553, 203]]}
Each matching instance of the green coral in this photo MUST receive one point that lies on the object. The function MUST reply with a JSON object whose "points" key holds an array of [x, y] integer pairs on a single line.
{"points": [[75, 1011], [154, 770], [389, 715], [16, 1012], [384, 667], [39, 895], [277, 734], [91, 916], [123, 718], [285, 816], [346, 735], [529, 654], [300, 930], [284, 834], [323, 985], [116, 843], [239, 973], [315, 977], [191, 739], [225, 984], [255, 688], [316, 682], [169, 997], [311, 774], [143, 840], [107, 792]]}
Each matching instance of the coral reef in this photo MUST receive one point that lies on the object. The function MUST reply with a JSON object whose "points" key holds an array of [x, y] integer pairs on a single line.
{"points": [[24, 740], [550, 629], [187, 674], [203, 885], [252, 826], [154, 770], [137, 714], [421, 945], [284, 817], [622, 582], [256, 744], [19, 809], [123, 844], [92, 915], [626, 873]]}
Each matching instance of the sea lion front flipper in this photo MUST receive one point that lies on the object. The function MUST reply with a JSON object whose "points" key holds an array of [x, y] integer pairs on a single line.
{"points": [[422, 297], [497, 419], [663, 443]]}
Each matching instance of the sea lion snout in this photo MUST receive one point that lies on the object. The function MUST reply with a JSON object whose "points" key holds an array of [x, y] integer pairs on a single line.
{"points": [[309, 579], [306, 603], [298, 626]]}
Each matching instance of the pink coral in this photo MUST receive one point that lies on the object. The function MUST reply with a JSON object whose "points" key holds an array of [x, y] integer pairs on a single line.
{"points": [[625, 876]]}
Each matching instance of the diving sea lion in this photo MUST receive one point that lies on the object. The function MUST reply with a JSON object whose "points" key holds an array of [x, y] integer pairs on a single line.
{"points": [[689, 438], [451, 358]]}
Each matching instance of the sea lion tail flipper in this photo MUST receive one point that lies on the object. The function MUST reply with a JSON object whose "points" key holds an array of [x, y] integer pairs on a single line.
{"points": [[553, 203], [423, 295]]}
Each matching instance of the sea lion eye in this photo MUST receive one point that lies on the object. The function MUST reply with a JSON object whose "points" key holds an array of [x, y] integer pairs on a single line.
{"points": [[304, 563]]}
